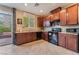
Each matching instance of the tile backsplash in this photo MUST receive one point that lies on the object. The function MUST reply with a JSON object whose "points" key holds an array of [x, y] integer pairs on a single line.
{"points": [[62, 27]]}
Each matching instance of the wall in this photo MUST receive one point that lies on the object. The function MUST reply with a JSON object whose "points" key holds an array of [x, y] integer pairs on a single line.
{"points": [[20, 28]]}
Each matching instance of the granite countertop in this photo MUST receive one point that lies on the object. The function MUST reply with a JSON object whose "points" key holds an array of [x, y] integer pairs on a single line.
{"points": [[46, 31], [32, 31]]}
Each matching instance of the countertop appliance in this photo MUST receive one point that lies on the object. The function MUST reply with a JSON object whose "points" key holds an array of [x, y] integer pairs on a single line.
{"points": [[73, 30], [53, 35]]}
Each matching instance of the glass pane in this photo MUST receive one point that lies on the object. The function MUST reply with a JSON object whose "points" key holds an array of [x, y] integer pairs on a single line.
{"points": [[25, 21], [31, 22], [5, 29], [5, 22]]}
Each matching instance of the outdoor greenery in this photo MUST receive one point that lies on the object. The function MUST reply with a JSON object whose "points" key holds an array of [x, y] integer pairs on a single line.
{"points": [[28, 21], [5, 23], [4, 29], [25, 21]]}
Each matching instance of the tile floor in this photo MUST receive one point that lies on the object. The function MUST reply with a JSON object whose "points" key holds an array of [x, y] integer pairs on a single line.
{"points": [[39, 47], [5, 41]]}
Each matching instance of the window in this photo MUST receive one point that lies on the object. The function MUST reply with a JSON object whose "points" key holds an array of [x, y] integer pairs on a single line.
{"points": [[28, 21], [5, 22]]}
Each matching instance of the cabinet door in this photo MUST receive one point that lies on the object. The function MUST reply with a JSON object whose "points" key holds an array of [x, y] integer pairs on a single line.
{"points": [[50, 17], [72, 15], [63, 17], [20, 38], [62, 40], [78, 14], [40, 21], [45, 36], [71, 42], [25, 37], [32, 36], [56, 16]]}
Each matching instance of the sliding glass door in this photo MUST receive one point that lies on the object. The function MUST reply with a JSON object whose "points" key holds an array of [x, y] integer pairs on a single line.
{"points": [[5, 29]]}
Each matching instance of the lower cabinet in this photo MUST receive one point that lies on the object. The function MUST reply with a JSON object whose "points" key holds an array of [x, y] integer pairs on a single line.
{"points": [[62, 40], [45, 36], [25, 37], [69, 41]]}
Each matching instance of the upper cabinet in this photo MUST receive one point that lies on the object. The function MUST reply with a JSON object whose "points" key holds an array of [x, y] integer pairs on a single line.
{"points": [[72, 14], [67, 16], [63, 17], [56, 16], [40, 21], [50, 17], [78, 14]]}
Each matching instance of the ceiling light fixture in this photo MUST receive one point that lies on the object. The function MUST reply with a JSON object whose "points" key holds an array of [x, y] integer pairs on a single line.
{"points": [[36, 4], [25, 4], [41, 10]]}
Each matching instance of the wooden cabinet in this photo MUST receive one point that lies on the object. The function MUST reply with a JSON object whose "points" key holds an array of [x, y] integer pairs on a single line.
{"points": [[78, 14], [63, 17], [32, 36], [56, 16], [71, 42], [72, 16], [20, 38], [40, 21], [62, 39], [50, 17], [68, 16], [45, 36], [25, 37]]}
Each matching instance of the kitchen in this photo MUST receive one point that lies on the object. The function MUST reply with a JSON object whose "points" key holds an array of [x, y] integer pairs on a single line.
{"points": [[60, 27]]}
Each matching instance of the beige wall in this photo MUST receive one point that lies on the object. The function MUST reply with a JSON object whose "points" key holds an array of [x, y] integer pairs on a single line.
{"points": [[21, 14]]}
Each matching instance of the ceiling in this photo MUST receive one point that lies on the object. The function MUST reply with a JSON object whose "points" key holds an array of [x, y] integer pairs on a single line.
{"points": [[46, 7]]}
